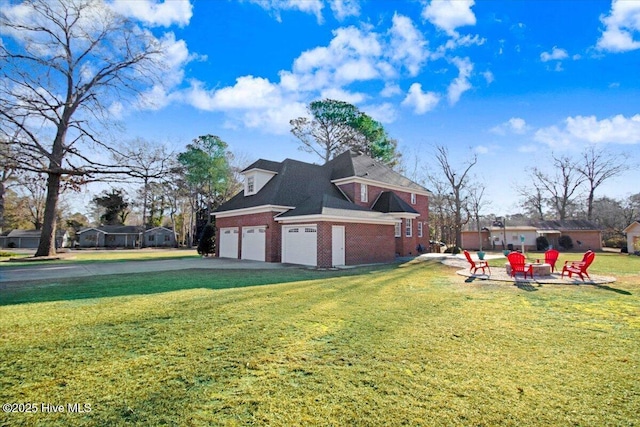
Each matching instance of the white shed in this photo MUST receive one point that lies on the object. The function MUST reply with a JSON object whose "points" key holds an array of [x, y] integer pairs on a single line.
{"points": [[633, 236]]}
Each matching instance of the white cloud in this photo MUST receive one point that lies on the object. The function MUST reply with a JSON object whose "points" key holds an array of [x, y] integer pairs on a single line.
{"points": [[352, 55], [622, 26], [513, 125], [449, 14], [421, 102], [254, 102], [408, 46], [343, 95], [556, 54], [384, 113], [461, 83], [588, 129], [275, 7], [344, 8], [155, 13], [488, 76], [390, 89]]}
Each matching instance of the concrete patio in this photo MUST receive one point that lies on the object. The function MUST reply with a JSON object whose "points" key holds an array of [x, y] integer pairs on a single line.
{"points": [[499, 274]]}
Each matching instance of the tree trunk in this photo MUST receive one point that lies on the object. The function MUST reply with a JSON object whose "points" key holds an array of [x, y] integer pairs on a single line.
{"points": [[1, 205], [47, 245]]}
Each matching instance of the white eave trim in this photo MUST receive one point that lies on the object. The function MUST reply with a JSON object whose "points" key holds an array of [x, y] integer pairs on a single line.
{"points": [[252, 210], [401, 215], [259, 170], [350, 179], [335, 218]]}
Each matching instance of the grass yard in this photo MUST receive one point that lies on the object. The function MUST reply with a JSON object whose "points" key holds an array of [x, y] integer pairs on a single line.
{"points": [[393, 345], [89, 255]]}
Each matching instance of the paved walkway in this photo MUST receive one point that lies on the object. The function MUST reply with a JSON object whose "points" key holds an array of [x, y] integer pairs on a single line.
{"points": [[500, 274], [60, 271]]}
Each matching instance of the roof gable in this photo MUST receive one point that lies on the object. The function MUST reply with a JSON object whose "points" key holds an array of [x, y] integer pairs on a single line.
{"points": [[353, 165], [389, 202]]}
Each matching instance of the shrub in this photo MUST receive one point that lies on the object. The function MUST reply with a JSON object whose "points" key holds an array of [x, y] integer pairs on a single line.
{"points": [[207, 243], [565, 242], [542, 243], [452, 250], [615, 242]]}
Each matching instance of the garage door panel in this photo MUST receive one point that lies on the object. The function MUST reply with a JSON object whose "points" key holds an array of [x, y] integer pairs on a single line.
{"points": [[299, 245], [229, 242], [254, 243]]}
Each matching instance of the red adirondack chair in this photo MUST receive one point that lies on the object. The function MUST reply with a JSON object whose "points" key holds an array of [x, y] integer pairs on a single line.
{"points": [[476, 265], [550, 257], [518, 265], [579, 267]]}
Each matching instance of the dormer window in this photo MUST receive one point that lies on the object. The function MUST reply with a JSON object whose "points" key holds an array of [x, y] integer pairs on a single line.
{"points": [[364, 194], [251, 185], [255, 179]]}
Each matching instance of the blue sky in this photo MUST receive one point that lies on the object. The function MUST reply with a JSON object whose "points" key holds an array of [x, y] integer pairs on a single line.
{"points": [[512, 81]]}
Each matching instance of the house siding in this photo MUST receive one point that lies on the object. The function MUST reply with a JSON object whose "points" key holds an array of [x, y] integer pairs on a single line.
{"points": [[633, 237]]}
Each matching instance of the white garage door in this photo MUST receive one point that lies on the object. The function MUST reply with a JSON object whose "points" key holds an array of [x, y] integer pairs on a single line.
{"points": [[299, 244], [229, 242], [254, 243]]}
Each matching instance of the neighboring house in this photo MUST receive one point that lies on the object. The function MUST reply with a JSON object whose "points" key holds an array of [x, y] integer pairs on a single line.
{"points": [[633, 236], [30, 239], [351, 210], [584, 235], [110, 236], [159, 237], [125, 236]]}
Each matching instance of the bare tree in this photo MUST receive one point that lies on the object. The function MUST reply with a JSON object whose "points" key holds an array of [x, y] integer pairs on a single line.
{"points": [[562, 186], [457, 183], [7, 171], [33, 189], [67, 62], [477, 203], [146, 163], [533, 200], [596, 167]]}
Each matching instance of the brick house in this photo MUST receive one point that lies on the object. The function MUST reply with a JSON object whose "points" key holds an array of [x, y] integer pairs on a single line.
{"points": [[351, 210], [584, 235]]}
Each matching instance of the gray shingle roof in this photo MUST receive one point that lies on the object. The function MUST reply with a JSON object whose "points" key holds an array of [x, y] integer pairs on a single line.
{"points": [[390, 202], [264, 164], [308, 188], [350, 164], [567, 224]]}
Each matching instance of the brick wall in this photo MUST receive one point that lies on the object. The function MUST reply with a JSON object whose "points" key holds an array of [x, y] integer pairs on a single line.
{"points": [[589, 240], [273, 232], [404, 246], [364, 243]]}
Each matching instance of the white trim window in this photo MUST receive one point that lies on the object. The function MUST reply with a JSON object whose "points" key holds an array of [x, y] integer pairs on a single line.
{"points": [[408, 227], [398, 229], [419, 228], [413, 198], [251, 185], [364, 193]]}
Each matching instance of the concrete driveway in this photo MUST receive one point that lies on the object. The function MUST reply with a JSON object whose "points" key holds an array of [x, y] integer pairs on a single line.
{"points": [[60, 271]]}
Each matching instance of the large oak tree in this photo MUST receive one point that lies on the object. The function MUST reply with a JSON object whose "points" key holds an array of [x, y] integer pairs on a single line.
{"points": [[63, 63], [337, 126]]}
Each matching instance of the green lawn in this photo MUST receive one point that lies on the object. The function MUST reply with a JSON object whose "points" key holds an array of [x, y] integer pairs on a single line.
{"points": [[394, 345], [88, 255]]}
